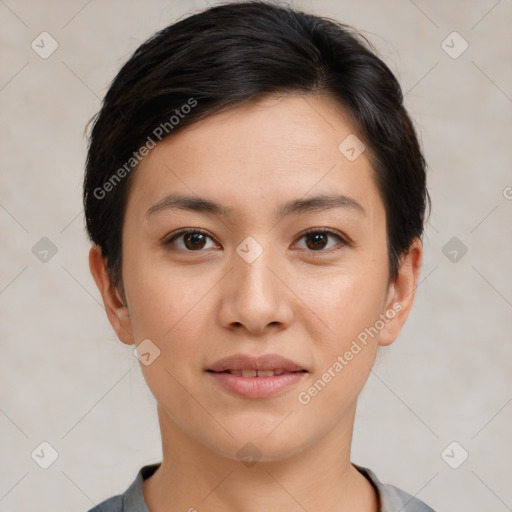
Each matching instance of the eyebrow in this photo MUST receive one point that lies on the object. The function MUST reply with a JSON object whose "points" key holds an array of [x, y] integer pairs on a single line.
{"points": [[293, 207]]}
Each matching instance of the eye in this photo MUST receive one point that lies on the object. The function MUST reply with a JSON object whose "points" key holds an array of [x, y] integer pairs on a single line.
{"points": [[193, 240], [317, 239]]}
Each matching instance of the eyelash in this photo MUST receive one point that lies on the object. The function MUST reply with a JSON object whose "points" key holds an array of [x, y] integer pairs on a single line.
{"points": [[168, 243]]}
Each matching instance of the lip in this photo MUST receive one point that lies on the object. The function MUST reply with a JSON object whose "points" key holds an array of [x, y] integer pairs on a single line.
{"points": [[264, 362], [256, 387]]}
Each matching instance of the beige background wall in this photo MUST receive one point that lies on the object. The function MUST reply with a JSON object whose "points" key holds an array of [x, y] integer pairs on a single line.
{"points": [[66, 379]]}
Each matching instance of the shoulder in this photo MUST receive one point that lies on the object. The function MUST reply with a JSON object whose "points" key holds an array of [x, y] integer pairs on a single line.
{"points": [[132, 500], [392, 498], [114, 504]]}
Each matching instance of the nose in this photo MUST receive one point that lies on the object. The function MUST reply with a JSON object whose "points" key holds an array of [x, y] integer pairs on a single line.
{"points": [[255, 296]]}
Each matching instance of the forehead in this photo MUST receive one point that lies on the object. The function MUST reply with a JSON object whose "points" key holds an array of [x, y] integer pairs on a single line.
{"points": [[267, 151]]}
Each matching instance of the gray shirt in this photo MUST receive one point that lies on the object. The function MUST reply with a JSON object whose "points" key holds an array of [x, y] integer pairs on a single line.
{"points": [[391, 498]]}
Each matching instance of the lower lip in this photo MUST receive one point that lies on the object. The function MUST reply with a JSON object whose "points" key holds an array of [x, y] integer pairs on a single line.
{"points": [[257, 387]]}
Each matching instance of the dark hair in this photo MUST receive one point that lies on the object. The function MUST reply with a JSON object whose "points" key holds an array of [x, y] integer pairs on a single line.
{"points": [[231, 54]]}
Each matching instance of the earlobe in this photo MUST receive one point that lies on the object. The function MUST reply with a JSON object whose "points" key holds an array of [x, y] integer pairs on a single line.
{"points": [[117, 311], [401, 293]]}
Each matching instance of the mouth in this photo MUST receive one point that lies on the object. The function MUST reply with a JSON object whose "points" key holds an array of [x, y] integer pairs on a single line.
{"points": [[258, 373], [256, 377], [246, 365]]}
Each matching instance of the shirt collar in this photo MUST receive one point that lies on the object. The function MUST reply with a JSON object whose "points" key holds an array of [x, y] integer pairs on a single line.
{"points": [[390, 498]]}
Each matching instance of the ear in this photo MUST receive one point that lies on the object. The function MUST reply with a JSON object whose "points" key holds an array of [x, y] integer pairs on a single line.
{"points": [[117, 312], [401, 293]]}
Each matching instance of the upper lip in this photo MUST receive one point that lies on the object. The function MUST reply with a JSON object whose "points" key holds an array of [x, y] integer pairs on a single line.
{"points": [[248, 362]]}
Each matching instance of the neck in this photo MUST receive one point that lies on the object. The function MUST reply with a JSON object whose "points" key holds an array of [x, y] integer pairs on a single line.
{"points": [[318, 478]]}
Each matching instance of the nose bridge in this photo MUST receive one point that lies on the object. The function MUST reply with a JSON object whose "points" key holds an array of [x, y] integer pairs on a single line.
{"points": [[257, 298], [254, 278]]}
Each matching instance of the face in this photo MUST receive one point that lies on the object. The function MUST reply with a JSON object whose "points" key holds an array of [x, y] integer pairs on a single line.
{"points": [[266, 270]]}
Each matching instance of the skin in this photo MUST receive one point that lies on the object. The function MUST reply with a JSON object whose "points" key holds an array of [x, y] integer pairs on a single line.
{"points": [[200, 302]]}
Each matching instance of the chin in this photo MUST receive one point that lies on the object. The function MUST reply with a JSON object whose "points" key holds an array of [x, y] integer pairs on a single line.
{"points": [[252, 445]]}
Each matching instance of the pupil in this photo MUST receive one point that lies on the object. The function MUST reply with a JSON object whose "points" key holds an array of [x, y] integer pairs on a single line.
{"points": [[318, 238], [196, 238]]}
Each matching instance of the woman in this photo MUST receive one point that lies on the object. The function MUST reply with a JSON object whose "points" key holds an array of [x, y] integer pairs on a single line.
{"points": [[255, 194]]}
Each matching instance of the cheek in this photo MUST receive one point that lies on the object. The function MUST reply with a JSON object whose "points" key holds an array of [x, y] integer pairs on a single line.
{"points": [[350, 307], [350, 314], [172, 310], [346, 302], [164, 300]]}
